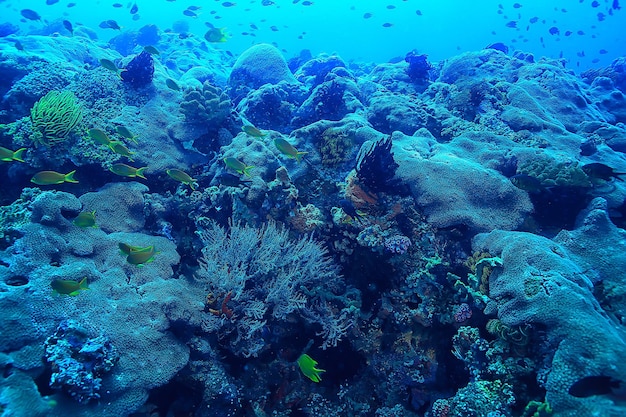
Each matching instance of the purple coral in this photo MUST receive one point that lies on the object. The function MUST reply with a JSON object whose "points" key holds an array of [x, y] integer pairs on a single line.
{"points": [[463, 313], [140, 71], [397, 244]]}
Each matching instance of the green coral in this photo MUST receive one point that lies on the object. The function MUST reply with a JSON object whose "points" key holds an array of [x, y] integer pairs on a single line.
{"points": [[205, 105], [537, 409], [336, 146], [54, 116], [553, 173]]}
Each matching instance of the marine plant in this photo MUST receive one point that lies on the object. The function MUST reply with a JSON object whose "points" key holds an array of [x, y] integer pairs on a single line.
{"points": [[205, 105], [376, 167], [54, 116]]}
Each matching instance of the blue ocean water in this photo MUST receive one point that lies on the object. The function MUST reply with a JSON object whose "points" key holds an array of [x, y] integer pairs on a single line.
{"points": [[312, 208], [588, 36]]}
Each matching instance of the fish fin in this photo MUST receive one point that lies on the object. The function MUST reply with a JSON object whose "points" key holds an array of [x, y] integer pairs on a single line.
{"points": [[246, 171], [82, 285], [140, 171], [193, 186], [70, 177], [299, 155], [17, 155]]}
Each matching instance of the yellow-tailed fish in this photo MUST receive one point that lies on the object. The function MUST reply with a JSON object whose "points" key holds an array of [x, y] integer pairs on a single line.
{"points": [[238, 166], [142, 257], [171, 84], [86, 219], [7, 155], [121, 149], [287, 149], [252, 131], [182, 176], [151, 50], [52, 177], [127, 249], [68, 287], [110, 65], [124, 170], [123, 131], [99, 136]]}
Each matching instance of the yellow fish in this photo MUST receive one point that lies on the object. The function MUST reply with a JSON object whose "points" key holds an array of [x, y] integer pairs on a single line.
{"points": [[216, 35], [252, 131], [287, 148], [7, 155], [110, 65], [123, 131], [127, 249], [68, 287], [141, 257], [99, 136], [171, 84], [124, 170], [120, 149], [238, 166], [86, 219], [182, 176], [307, 366], [52, 177]]}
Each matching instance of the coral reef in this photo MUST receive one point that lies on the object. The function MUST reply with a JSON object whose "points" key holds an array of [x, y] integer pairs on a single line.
{"points": [[139, 71], [54, 116], [207, 105]]}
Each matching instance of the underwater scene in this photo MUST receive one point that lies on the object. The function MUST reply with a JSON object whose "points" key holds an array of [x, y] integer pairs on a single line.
{"points": [[315, 208]]}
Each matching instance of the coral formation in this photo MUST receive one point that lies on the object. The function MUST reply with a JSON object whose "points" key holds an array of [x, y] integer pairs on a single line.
{"points": [[54, 116], [139, 71], [207, 105]]}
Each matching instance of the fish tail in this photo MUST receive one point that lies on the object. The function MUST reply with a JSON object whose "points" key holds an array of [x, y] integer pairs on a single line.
{"points": [[17, 155], [140, 171], [83, 284], [246, 171], [70, 177], [193, 185], [299, 155]]}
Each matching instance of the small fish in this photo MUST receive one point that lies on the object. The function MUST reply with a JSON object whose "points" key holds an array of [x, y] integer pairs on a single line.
{"points": [[568, 33], [534, 19], [601, 17], [511, 24], [348, 207], [190, 13], [125, 133], [68, 25], [387, 25], [124, 170], [86, 219], [134, 9], [171, 84], [194, 8], [580, 33], [52, 177], [554, 30], [390, 7], [307, 3], [51, 2], [68, 287], [527, 183], [252, 131], [418, 12], [603, 51], [183, 177], [516, 5], [595, 3], [216, 35], [70, 5], [7, 155], [126, 249], [99, 136], [30, 14], [121, 149], [229, 4], [142, 257], [273, 28], [601, 171], [110, 65], [288, 149], [308, 368], [616, 5], [238, 166], [118, 5], [229, 180], [18, 45], [151, 50], [367, 15], [109, 24]]}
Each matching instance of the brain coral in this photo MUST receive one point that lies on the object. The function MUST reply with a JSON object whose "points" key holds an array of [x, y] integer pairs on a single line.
{"points": [[207, 105]]}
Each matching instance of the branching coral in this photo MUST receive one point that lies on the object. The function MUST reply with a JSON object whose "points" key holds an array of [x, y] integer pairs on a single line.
{"points": [[206, 105], [54, 116]]}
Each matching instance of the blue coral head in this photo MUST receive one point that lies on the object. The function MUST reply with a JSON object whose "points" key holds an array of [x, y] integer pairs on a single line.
{"points": [[140, 71]]}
